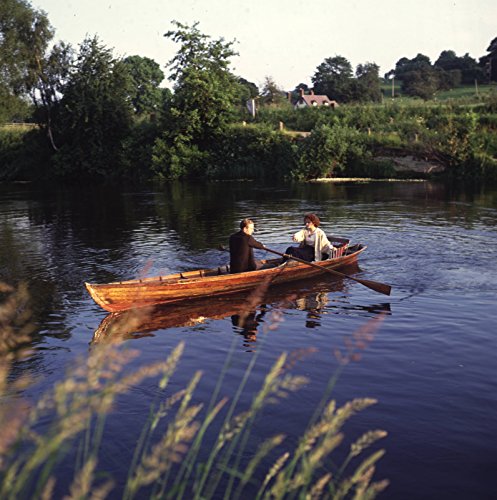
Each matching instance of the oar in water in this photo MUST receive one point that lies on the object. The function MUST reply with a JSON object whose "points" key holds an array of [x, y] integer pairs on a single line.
{"points": [[374, 285]]}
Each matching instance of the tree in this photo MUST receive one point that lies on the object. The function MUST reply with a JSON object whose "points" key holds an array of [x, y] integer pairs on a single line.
{"points": [[367, 83], [419, 78], [421, 83], [246, 91], [417, 64], [458, 69], [449, 79], [205, 90], [24, 37], [252, 88], [271, 92], [95, 113], [333, 78], [471, 70], [13, 108], [205, 95], [28, 68], [146, 76], [54, 70], [447, 60]]}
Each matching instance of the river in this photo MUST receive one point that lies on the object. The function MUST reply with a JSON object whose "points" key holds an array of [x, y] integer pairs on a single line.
{"points": [[428, 358]]}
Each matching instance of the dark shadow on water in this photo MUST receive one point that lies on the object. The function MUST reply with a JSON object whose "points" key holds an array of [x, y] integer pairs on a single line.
{"points": [[247, 311]]}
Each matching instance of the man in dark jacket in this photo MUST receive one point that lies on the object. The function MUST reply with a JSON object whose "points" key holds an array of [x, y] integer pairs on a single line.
{"points": [[241, 245]]}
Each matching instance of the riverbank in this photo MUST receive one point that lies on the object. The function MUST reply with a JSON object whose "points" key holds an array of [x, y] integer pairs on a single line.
{"points": [[383, 141]]}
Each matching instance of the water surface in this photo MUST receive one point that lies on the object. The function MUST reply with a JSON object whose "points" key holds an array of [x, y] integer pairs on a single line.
{"points": [[430, 365]]}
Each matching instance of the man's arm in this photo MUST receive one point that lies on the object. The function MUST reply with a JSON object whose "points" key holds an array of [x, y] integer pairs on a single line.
{"points": [[252, 242]]}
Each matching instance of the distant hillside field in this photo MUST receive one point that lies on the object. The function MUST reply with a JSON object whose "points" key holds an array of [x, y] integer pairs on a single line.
{"points": [[463, 92]]}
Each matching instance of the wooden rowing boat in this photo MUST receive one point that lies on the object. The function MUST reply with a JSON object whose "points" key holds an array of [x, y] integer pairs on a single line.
{"points": [[144, 321], [123, 295]]}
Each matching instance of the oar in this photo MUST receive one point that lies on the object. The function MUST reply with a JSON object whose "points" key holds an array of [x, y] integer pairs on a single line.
{"points": [[374, 285]]}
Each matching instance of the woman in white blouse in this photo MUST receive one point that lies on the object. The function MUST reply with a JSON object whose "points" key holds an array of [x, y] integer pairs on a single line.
{"points": [[313, 241]]}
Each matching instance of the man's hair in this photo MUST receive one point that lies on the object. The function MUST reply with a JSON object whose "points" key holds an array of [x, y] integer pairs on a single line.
{"points": [[245, 223], [312, 218]]}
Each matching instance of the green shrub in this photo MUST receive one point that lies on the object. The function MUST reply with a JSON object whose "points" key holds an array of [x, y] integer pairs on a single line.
{"points": [[179, 159], [24, 154], [138, 150], [252, 152], [327, 150]]}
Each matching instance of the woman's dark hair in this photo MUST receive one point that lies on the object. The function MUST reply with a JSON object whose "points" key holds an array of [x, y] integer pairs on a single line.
{"points": [[312, 218]]}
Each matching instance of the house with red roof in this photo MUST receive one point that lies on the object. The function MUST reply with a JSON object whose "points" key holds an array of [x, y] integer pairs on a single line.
{"points": [[313, 100]]}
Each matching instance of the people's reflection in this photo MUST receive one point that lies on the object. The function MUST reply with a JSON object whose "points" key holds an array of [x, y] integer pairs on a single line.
{"points": [[246, 324], [313, 304]]}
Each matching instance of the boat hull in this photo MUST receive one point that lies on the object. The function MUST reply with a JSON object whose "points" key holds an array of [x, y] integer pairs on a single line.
{"points": [[311, 294], [120, 296]]}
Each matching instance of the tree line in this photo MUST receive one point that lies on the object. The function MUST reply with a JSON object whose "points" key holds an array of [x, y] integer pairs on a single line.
{"points": [[101, 116]]}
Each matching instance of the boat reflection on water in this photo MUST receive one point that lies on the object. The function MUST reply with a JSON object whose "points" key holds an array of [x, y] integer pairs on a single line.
{"points": [[247, 311]]}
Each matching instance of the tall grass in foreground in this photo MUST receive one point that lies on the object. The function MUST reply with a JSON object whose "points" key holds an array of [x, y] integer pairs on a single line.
{"points": [[166, 462]]}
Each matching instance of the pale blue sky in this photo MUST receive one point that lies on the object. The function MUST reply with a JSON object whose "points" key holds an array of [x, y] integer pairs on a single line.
{"points": [[284, 39]]}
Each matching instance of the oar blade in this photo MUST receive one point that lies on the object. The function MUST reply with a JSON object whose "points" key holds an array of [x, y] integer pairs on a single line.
{"points": [[377, 287]]}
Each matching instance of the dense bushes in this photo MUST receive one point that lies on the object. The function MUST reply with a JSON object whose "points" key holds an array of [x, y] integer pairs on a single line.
{"points": [[24, 153], [328, 150], [313, 143], [254, 152]]}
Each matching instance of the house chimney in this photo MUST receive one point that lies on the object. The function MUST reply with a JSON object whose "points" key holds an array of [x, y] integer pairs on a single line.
{"points": [[312, 92], [301, 92]]}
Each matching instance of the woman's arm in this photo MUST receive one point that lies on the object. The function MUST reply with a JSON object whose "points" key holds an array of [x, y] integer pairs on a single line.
{"points": [[299, 236]]}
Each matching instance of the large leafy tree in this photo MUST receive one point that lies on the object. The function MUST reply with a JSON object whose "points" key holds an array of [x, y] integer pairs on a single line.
{"points": [[448, 60], [27, 68], [146, 76], [421, 83], [333, 77], [54, 70], [95, 113], [12, 107], [24, 36], [205, 91], [367, 83], [466, 66], [419, 77], [405, 65], [204, 100]]}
